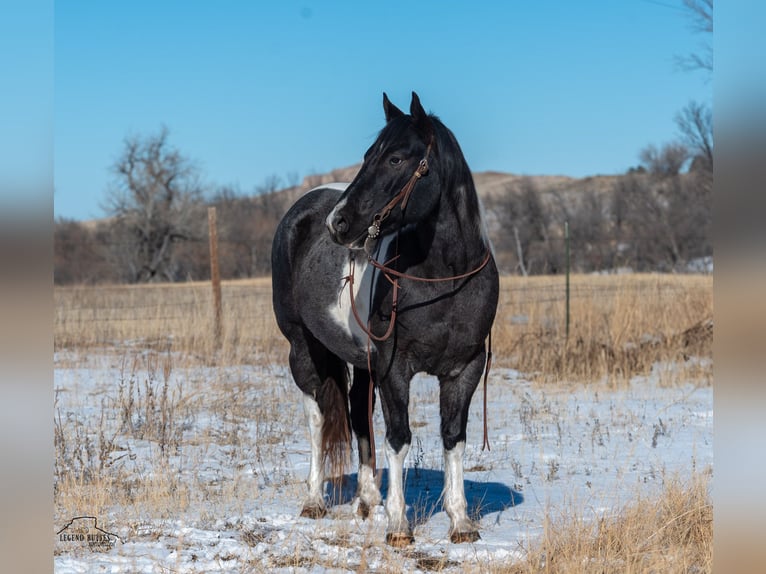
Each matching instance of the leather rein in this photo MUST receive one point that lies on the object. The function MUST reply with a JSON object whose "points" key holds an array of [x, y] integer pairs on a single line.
{"points": [[393, 276]]}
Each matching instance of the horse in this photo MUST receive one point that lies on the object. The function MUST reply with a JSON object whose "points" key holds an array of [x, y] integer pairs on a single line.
{"points": [[392, 274]]}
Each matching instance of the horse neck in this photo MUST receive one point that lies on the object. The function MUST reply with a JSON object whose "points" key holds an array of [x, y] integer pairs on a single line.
{"points": [[458, 234]]}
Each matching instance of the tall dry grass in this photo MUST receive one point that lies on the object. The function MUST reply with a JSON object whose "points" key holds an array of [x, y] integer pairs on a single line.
{"points": [[178, 317], [672, 533], [620, 325]]}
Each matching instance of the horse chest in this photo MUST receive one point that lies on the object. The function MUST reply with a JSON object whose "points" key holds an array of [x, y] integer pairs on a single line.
{"points": [[350, 310], [352, 305]]}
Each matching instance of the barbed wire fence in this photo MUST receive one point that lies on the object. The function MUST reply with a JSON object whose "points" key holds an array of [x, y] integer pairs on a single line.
{"points": [[80, 306]]}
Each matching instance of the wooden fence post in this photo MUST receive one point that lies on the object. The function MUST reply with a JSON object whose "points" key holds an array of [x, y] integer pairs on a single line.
{"points": [[215, 276], [566, 244]]}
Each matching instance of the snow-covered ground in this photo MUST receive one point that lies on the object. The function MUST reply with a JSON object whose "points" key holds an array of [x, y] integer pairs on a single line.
{"points": [[238, 452]]}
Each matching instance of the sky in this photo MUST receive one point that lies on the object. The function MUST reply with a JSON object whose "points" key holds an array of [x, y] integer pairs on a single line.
{"points": [[252, 90]]}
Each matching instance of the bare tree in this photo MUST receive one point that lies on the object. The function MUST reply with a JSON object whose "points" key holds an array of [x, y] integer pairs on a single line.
{"points": [[661, 221], [695, 122], [78, 256], [592, 246], [523, 229], [664, 162], [701, 14], [247, 226], [270, 184], [154, 198]]}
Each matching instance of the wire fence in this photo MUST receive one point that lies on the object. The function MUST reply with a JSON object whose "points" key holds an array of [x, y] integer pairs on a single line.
{"points": [[173, 302], [619, 323]]}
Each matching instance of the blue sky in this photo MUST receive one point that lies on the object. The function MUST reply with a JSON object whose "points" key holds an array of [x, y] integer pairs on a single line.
{"points": [[251, 90]]}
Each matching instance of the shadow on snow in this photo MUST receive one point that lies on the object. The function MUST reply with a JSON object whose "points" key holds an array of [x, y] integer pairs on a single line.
{"points": [[423, 494]]}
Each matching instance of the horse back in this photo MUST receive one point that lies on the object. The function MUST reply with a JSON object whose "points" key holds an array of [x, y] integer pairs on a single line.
{"points": [[308, 271]]}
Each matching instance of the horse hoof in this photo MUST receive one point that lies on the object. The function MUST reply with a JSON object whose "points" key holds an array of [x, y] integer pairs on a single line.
{"points": [[460, 537], [399, 539], [313, 511], [363, 509]]}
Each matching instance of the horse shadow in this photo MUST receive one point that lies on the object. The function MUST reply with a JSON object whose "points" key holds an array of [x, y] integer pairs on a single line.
{"points": [[423, 494]]}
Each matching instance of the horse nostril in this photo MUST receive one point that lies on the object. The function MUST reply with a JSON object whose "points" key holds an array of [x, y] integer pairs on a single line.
{"points": [[340, 224]]}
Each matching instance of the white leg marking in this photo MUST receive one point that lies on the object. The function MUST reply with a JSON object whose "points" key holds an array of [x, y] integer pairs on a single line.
{"points": [[454, 492], [368, 491], [316, 471], [397, 520]]}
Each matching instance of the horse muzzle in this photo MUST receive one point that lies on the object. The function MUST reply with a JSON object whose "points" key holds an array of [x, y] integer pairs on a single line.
{"points": [[341, 232]]}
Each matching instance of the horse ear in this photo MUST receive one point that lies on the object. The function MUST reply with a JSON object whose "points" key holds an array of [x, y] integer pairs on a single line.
{"points": [[390, 109], [420, 117]]}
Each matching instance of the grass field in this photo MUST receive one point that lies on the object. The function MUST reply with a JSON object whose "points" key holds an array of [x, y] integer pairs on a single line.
{"points": [[196, 455], [620, 325]]}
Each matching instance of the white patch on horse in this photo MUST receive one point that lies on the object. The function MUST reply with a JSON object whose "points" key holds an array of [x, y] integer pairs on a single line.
{"points": [[341, 311], [367, 489], [454, 490], [395, 508], [339, 185], [316, 472], [365, 274]]}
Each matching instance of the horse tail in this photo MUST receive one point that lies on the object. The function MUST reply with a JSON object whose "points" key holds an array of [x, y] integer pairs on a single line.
{"points": [[332, 397]]}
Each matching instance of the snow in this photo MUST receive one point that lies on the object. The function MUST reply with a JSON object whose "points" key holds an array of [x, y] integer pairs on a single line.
{"points": [[242, 452]]}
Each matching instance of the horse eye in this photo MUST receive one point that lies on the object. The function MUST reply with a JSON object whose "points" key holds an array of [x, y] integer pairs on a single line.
{"points": [[395, 160]]}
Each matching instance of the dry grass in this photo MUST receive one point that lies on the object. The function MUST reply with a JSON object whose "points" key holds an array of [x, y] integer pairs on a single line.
{"points": [[132, 451], [620, 326], [177, 317], [672, 533], [133, 442]]}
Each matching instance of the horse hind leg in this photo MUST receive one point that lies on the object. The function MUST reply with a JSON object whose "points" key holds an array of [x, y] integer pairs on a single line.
{"points": [[362, 400], [323, 378], [314, 505]]}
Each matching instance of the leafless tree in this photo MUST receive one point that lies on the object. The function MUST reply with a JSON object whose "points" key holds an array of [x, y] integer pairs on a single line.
{"points": [[661, 221], [78, 256], [695, 122], [664, 162], [701, 15], [155, 202], [592, 247], [270, 184], [522, 234], [246, 227]]}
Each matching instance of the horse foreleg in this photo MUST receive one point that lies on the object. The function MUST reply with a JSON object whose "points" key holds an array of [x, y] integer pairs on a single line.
{"points": [[398, 532], [394, 395], [462, 529], [454, 401], [314, 506]]}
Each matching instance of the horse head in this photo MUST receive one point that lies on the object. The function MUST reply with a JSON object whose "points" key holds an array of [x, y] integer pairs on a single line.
{"points": [[396, 184]]}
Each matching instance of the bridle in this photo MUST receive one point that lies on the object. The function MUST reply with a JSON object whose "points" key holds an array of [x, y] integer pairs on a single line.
{"points": [[373, 231], [393, 276]]}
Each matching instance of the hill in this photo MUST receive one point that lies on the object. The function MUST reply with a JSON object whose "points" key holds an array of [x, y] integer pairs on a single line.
{"points": [[641, 220], [490, 185]]}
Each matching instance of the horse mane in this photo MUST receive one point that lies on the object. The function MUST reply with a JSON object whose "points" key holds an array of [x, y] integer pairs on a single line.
{"points": [[457, 176]]}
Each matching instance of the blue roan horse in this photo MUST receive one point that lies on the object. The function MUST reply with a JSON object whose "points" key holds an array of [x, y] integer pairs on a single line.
{"points": [[393, 275]]}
